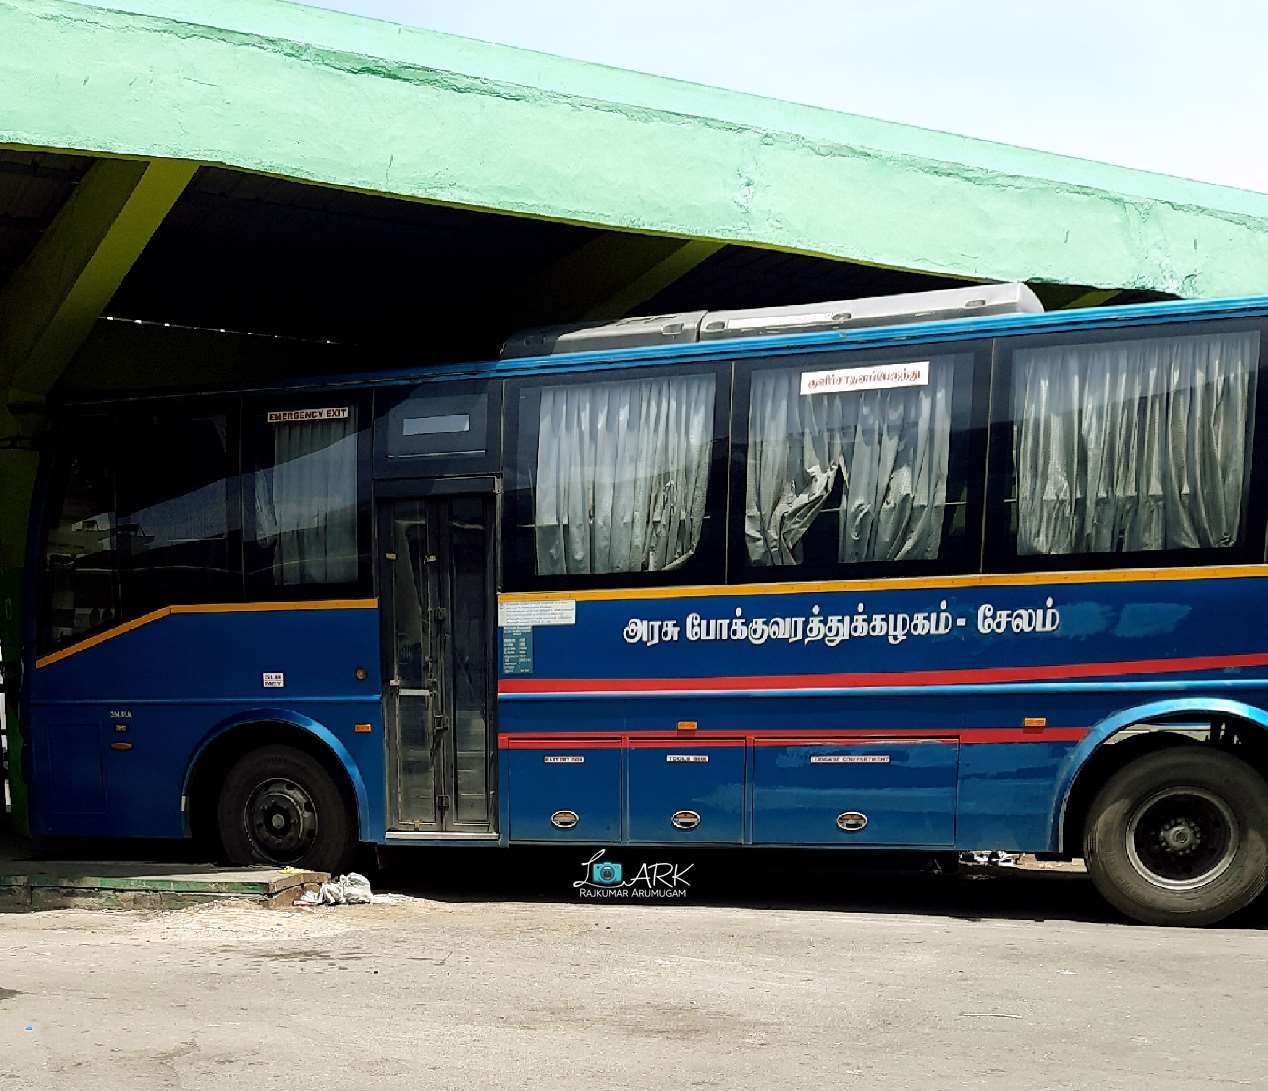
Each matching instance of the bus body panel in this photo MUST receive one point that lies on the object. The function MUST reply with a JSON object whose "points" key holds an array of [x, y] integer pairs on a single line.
{"points": [[130, 713], [1106, 628], [1011, 780], [1027, 707]]}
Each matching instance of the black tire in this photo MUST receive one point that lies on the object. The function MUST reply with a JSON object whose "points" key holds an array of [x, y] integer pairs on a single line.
{"points": [[1180, 837], [280, 806]]}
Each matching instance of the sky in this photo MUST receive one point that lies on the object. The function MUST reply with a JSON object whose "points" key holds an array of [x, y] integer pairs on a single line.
{"points": [[1175, 86]]}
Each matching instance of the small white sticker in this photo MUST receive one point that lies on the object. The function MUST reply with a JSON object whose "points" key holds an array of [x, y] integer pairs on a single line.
{"points": [[564, 759], [849, 759], [274, 680], [880, 377], [524, 615], [686, 757], [296, 416]]}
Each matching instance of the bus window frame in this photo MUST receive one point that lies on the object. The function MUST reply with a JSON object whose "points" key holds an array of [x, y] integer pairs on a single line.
{"points": [[964, 560], [1000, 546], [255, 409], [519, 560]]}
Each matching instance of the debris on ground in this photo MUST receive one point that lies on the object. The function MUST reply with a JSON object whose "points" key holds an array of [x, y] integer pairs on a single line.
{"points": [[350, 889], [993, 858]]}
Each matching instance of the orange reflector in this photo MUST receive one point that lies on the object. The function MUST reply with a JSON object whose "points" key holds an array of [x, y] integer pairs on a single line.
{"points": [[363, 729], [687, 725], [1035, 722], [120, 746]]}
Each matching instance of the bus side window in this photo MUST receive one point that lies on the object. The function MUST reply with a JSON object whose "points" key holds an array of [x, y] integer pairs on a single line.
{"points": [[612, 475], [175, 476], [863, 464], [305, 527], [81, 592], [1132, 445]]}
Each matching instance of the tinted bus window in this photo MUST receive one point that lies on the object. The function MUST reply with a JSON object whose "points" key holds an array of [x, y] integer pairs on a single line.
{"points": [[81, 592], [613, 475], [849, 462], [1132, 446], [305, 526], [174, 510]]}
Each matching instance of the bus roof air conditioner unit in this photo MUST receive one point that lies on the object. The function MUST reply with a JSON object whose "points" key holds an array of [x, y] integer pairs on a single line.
{"points": [[665, 329], [693, 326], [890, 310]]}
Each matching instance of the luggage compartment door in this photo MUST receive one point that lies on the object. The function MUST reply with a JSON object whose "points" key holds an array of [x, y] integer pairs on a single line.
{"points": [[565, 792], [680, 793], [850, 791]]}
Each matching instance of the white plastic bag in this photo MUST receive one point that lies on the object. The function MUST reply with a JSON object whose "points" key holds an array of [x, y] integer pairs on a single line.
{"points": [[350, 889]]}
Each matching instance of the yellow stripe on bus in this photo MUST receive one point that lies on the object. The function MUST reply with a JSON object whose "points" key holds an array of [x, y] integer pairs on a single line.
{"points": [[819, 587], [201, 608]]}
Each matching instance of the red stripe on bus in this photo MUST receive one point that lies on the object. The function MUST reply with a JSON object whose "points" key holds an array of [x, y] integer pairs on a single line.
{"points": [[554, 742], [567, 740], [1023, 734], [838, 739], [963, 676], [688, 742], [686, 737]]}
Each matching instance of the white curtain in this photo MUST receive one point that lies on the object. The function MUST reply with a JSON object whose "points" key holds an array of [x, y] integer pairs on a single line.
{"points": [[622, 469], [1134, 445], [306, 502], [889, 447]]}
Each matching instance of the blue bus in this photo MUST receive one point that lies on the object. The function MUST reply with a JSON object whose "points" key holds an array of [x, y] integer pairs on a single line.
{"points": [[934, 573]]}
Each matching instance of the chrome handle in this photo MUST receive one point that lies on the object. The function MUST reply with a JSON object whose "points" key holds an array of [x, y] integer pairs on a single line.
{"points": [[685, 820]]}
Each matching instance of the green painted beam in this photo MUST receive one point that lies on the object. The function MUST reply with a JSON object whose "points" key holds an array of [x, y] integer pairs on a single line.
{"points": [[323, 97], [608, 277], [47, 309]]}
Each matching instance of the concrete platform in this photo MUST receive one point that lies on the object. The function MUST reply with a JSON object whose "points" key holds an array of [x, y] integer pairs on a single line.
{"points": [[27, 884]]}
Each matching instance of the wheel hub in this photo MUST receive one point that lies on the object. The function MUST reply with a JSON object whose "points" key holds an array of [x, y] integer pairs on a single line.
{"points": [[1182, 838], [281, 819]]}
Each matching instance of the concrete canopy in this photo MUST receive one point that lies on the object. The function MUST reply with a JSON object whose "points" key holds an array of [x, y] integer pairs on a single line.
{"points": [[311, 95]]}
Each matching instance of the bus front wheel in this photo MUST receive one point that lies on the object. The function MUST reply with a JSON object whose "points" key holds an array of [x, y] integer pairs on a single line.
{"points": [[279, 805], [1180, 836]]}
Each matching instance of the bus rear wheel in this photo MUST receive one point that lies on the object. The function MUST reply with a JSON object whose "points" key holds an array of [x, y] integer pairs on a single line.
{"points": [[279, 805], [1180, 836]]}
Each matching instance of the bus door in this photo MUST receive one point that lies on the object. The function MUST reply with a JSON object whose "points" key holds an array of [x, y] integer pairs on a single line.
{"points": [[436, 586]]}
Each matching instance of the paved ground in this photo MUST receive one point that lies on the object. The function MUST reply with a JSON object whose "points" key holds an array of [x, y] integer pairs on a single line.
{"points": [[788, 972]]}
